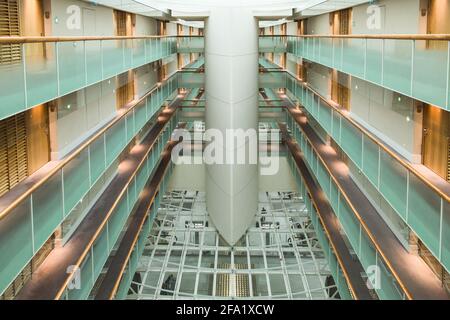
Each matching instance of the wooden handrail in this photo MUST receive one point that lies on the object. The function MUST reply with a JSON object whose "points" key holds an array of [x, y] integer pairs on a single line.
{"points": [[19, 40], [442, 37]]}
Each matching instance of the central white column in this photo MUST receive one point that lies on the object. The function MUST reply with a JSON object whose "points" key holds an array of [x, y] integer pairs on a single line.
{"points": [[231, 66]]}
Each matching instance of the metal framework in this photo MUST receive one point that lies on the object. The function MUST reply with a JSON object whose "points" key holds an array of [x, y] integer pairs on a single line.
{"points": [[278, 258]]}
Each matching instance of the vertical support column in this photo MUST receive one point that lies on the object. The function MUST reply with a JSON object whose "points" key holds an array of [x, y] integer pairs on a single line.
{"points": [[231, 64]]}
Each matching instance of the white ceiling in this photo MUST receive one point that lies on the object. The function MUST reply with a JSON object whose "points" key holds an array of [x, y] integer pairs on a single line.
{"points": [[270, 12]]}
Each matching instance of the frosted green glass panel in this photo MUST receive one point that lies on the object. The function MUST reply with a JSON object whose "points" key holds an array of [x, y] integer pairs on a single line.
{"points": [[424, 214], [374, 60], [315, 162], [130, 126], [132, 194], [310, 48], [445, 243], [117, 221], [86, 281], [397, 65], [336, 127], [141, 179], [97, 158], [76, 180], [12, 89], [93, 61], [370, 160], [430, 71], [41, 72], [334, 196], [333, 266], [354, 52], [315, 106], [325, 116], [350, 223], [393, 183], [115, 141], [16, 244], [153, 49], [351, 142], [101, 252], [140, 115], [47, 209], [324, 179], [344, 292], [112, 55], [309, 101], [127, 54], [72, 68], [134, 260], [124, 285], [337, 54]]}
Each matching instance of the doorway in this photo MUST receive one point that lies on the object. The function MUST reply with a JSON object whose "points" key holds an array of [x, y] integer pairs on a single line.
{"points": [[340, 92], [436, 141]]}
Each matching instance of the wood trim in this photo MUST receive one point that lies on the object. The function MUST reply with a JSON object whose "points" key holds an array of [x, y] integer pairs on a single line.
{"points": [[14, 39], [443, 37]]}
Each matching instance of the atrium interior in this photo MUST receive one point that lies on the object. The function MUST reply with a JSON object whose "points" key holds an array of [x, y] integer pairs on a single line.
{"points": [[217, 150]]}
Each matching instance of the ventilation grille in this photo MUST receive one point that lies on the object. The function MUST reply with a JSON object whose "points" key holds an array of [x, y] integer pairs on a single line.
{"points": [[13, 152], [9, 26]]}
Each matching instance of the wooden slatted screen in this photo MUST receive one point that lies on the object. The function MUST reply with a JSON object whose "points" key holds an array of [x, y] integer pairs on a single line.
{"points": [[13, 152], [9, 26]]}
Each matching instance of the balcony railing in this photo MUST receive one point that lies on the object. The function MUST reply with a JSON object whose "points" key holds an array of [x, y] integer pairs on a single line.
{"points": [[27, 222], [51, 67], [415, 65], [347, 271], [421, 203], [377, 248]]}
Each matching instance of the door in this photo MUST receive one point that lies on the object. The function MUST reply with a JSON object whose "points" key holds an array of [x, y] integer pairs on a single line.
{"points": [[38, 138], [436, 141], [89, 26]]}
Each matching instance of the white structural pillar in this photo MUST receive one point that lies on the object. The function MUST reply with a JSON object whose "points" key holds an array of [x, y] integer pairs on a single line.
{"points": [[231, 66]]}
